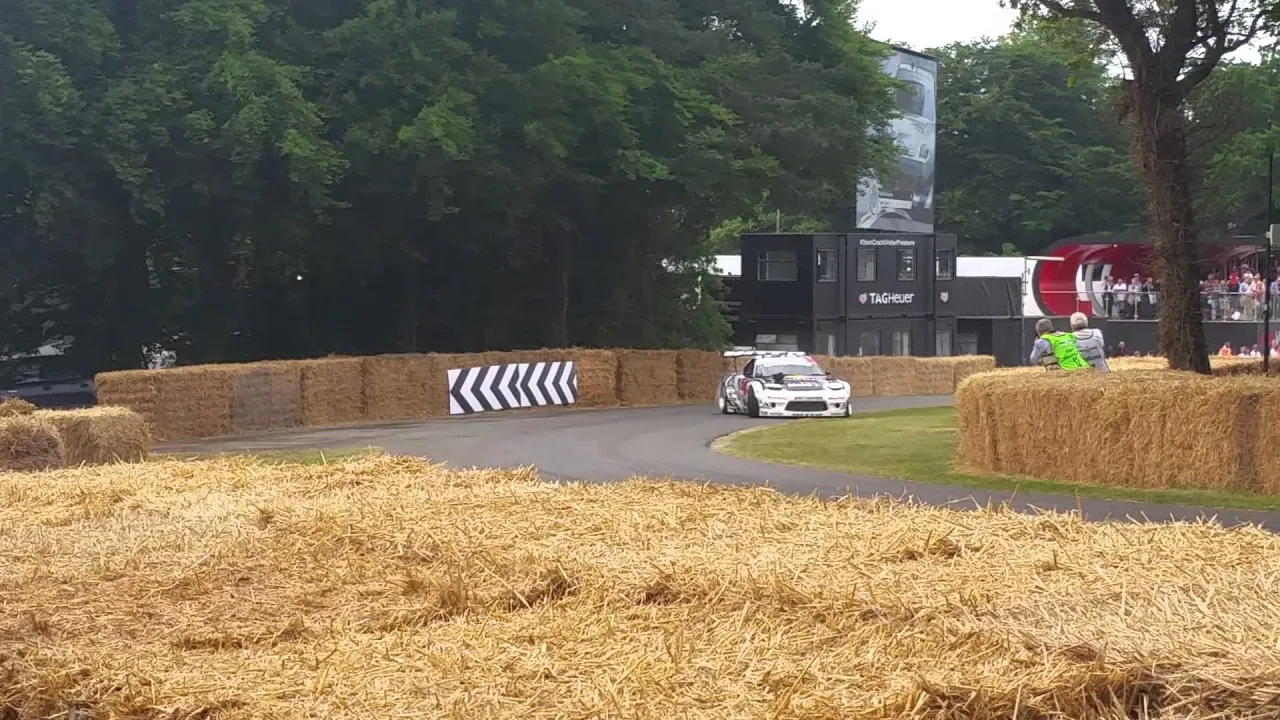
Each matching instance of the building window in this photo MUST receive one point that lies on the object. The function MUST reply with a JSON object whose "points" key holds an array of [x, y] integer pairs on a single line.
{"points": [[826, 344], [778, 343], [827, 265], [776, 266], [902, 343], [942, 347], [906, 264], [866, 265], [869, 343], [968, 343], [946, 269]]}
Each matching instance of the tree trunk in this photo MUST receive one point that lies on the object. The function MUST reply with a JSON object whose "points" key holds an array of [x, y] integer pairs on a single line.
{"points": [[1160, 150]]}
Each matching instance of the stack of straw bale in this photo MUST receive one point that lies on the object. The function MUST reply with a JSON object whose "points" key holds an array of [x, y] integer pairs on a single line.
{"points": [[266, 396], [362, 589], [699, 373], [1151, 429], [406, 386], [856, 371], [896, 375], [100, 435], [178, 403], [935, 376], [597, 375], [332, 391], [29, 443], [647, 377]]}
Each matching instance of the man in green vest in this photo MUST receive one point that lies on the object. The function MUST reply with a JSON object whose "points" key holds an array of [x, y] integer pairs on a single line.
{"points": [[1056, 349]]}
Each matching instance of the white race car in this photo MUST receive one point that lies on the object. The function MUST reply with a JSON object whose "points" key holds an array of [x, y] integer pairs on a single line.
{"points": [[782, 384]]}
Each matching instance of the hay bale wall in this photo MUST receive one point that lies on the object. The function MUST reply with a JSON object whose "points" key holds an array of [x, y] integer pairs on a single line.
{"points": [[1152, 429], [698, 374], [266, 397], [647, 377], [400, 387], [100, 435], [195, 402], [332, 391]]}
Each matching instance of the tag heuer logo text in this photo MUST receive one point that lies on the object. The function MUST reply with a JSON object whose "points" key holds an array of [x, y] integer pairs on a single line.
{"points": [[887, 298]]}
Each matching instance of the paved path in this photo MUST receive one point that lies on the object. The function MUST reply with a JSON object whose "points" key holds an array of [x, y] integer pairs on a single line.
{"points": [[607, 445]]}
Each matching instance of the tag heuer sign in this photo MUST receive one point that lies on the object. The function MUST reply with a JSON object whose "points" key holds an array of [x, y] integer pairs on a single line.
{"points": [[944, 296], [887, 298]]}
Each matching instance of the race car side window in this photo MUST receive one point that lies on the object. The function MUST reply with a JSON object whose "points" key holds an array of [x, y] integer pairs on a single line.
{"points": [[749, 368]]}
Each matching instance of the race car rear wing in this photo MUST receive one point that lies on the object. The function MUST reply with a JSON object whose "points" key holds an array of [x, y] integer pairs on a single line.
{"points": [[752, 352]]}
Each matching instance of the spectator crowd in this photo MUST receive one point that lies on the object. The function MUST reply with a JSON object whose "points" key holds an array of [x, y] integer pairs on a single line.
{"points": [[1237, 293]]}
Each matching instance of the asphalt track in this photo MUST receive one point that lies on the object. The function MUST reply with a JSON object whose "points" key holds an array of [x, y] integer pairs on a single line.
{"points": [[609, 445]]}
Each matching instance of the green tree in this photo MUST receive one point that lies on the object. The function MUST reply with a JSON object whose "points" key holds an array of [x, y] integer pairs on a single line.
{"points": [[1169, 48], [1027, 151], [240, 179], [1232, 130]]}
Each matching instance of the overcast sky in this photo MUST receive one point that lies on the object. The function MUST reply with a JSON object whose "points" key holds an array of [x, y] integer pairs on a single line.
{"points": [[921, 24]]}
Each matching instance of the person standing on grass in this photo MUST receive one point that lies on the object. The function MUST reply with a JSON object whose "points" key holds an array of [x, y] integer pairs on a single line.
{"points": [[1089, 342], [1054, 349]]}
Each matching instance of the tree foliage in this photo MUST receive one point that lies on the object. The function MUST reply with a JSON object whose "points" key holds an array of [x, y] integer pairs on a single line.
{"points": [[1028, 150], [258, 178], [1169, 47]]}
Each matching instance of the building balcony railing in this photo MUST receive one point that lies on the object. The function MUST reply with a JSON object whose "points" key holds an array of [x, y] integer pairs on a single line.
{"points": [[1214, 306]]}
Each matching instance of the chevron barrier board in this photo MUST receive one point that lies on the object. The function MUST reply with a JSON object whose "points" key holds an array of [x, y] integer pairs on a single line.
{"points": [[511, 386]]}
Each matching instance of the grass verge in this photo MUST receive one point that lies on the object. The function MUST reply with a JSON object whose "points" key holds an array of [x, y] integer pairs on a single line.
{"points": [[918, 445]]}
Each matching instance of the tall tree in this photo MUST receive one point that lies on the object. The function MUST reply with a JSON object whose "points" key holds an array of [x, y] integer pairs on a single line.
{"points": [[1169, 47]]}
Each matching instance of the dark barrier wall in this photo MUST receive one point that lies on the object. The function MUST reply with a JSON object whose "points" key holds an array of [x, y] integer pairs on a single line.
{"points": [[982, 297]]}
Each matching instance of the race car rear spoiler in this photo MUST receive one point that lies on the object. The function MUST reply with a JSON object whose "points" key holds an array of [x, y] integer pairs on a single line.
{"points": [[752, 352]]}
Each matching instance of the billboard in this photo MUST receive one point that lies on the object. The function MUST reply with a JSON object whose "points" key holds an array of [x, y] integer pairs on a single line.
{"points": [[903, 200]]}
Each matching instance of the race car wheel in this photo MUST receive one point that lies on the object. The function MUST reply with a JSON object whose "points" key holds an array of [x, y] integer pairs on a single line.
{"points": [[848, 409], [722, 402], [753, 405]]}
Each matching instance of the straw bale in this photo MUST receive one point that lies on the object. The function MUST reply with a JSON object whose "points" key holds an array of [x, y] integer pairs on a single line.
{"points": [[267, 396], [597, 376], [182, 403], [856, 371], [134, 389], [896, 375], [30, 443], [966, 365], [936, 376], [100, 435], [406, 386], [647, 377], [14, 406], [1151, 429], [698, 374], [376, 587], [332, 391]]}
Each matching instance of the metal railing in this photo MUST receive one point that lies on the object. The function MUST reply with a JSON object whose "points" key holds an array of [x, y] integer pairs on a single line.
{"points": [[1215, 305]]}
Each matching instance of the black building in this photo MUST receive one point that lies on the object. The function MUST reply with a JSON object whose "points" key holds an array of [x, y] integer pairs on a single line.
{"points": [[859, 293]]}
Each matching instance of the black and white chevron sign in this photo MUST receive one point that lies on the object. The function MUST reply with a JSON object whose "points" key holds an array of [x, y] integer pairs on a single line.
{"points": [[511, 386]]}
